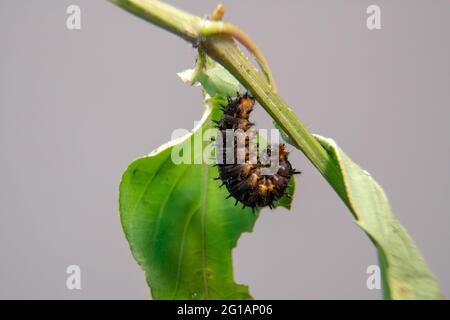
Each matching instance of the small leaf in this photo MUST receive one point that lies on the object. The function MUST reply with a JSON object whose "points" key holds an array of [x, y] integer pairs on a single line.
{"points": [[405, 273], [187, 76], [216, 80], [286, 201]]}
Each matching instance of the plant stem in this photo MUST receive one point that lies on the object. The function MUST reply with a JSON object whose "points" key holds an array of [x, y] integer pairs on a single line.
{"points": [[165, 16], [220, 28], [223, 49]]}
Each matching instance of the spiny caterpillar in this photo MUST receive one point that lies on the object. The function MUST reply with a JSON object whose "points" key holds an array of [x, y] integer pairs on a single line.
{"points": [[245, 180]]}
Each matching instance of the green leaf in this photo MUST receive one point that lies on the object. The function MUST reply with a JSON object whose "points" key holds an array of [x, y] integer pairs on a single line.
{"points": [[215, 80], [180, 227], [404, 271]]}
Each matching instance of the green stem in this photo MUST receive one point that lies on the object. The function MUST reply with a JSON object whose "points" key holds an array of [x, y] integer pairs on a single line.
{"points": [[200, 65], [165, 16], [224, 50], [211, 28]]}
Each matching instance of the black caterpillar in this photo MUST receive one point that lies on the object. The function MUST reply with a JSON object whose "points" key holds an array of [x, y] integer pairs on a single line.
{"points": [[244, 181]]}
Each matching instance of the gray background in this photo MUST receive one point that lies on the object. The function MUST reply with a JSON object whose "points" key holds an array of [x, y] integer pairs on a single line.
{"points": [[77, 106]]}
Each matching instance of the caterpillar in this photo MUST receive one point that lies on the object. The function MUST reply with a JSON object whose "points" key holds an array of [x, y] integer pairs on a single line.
{"points": [[245, 180]]}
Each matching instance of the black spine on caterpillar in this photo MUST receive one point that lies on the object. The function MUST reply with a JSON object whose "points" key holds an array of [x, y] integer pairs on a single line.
{"points": [[244, 179]]}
